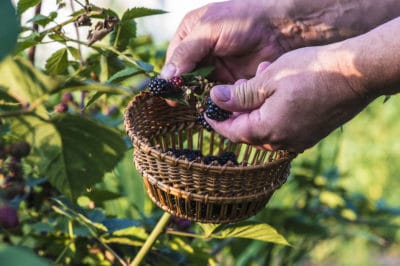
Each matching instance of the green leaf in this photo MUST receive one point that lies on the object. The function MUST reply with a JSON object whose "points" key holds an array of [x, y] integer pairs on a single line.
{"points": [[100, 195], [72, 151], [145, 66], [74, 52], [16, 256], [57, 63], [124, 32], [7, 102], [138, 12], [89, 86], [9, 28], [203, 72], [23, 81], [134, 236], [250, 230], [24, 5], [41, 20], [124, 74]]}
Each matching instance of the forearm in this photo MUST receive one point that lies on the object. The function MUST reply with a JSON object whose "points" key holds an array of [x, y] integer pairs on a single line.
{"points": [[308, 22], [373, 64]]}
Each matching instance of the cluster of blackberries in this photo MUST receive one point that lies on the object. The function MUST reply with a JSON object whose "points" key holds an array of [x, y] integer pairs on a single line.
{"points": [[197, 89], [164, 88], [225, 158], [12, 183]]}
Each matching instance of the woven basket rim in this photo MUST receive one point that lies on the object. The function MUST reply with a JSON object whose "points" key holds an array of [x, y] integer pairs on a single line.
{"points": [[158, 155]]}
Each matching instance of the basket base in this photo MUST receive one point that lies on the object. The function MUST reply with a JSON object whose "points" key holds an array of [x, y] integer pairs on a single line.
{"points": [[201, 211]]}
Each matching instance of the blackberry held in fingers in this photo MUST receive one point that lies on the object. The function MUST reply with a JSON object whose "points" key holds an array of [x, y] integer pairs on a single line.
{"points": [[214, 112], [160, 87]]}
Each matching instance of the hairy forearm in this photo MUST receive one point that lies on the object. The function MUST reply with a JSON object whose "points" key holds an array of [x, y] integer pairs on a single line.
{"points": [[374, 64], [309, 22]]}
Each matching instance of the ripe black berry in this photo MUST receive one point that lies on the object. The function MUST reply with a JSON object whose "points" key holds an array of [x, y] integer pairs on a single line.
{"points": [[67, 97], [226, 157], [19, 149], [8, 217], [160, 87], [209, 159], [202, 122], [192, 155], [214, 112], [176, 82]]}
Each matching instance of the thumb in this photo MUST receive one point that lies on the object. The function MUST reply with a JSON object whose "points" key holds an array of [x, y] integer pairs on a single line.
{"points": [[240, 97], [186, 55]]}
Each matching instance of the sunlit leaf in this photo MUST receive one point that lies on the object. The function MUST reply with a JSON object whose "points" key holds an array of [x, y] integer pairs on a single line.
{"points": [[123, 74], [250, 230], [9, 28], [331, 199], [57, 63], [138, 12], [23, 5]]}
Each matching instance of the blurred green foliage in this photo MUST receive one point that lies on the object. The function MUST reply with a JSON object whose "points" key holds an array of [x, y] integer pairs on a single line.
{"points": [[83, 202]]}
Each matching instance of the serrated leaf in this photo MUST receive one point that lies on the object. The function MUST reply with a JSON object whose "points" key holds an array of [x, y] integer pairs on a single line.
{"points": [[147, 67], [74, 52], [123, 74], [123, 33], [250, 230], [134, 236], [9, 28], [89, 86], [23, 81], [41, 20], [7, 102], [100, 195], [72, 151], [57, 63], [24, 5], [138, 12], [119, 224]]}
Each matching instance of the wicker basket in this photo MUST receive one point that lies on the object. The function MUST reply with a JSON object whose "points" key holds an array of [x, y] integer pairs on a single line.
{"points": [[194, 190]]}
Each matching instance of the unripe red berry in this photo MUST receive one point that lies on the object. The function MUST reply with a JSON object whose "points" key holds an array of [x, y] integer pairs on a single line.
{"points": [[61, 108]]}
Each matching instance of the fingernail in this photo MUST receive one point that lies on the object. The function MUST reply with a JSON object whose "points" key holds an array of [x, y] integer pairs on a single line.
{"points": [[222, 93], [168, 71]]}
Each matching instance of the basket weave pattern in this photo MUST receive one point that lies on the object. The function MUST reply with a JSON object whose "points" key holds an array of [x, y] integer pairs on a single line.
{"points": [[194, 190]]}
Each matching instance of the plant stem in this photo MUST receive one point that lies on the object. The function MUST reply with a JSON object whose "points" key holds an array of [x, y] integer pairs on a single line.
{"points": [[32, 50], [157, 231]]}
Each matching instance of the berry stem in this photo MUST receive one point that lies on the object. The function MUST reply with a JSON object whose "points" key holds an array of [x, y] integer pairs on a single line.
{"points": [[157, 231]]}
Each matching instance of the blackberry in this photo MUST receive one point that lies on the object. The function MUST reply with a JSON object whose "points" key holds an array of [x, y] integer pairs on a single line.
{"points": [[192, 155], [211, 159], [160, 87], [214, 112], [19, 149], [202, 122], [176, 82], [174, 152], [226, 157], [8, 216], [67, 97]]}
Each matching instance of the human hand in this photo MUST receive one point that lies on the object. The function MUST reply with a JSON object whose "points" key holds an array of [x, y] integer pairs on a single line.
{"points": [[292, 103], [233, 36]]}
